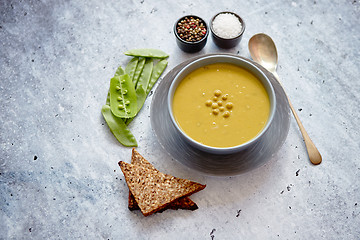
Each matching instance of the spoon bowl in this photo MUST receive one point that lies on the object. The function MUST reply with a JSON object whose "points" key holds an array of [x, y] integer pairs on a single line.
{"points": [[263, 51]]}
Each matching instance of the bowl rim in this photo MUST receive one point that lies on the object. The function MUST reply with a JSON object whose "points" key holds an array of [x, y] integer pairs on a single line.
{"points": [[191, 43], [236, 15], [221, 150]]}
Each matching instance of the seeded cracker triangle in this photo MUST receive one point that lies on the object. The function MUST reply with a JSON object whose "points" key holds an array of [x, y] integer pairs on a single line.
{"points": [[153, 190], [181, 203]]}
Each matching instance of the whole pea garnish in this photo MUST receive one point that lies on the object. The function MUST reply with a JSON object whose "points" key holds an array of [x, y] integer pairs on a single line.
{"points": [[215, 111], [208, 103], [226, 114], [217, 92], [229, 105]]}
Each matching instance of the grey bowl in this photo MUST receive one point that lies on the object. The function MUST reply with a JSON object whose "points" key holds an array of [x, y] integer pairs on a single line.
{"points": [[221, 58], [202, 162]]}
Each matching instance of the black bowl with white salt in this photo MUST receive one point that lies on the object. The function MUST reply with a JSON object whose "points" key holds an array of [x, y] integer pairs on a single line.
{"points": [[227, 29]]}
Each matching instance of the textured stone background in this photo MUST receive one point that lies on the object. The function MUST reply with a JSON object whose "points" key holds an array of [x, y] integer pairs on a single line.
{"points": [[59, 177]]}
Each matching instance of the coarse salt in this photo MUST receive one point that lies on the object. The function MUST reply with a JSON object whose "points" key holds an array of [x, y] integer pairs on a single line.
{"points": [[226, 25]]}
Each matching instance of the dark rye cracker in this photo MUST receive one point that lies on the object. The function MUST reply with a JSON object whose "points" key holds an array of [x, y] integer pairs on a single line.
{"points": [[153, 190], [181, 203]]}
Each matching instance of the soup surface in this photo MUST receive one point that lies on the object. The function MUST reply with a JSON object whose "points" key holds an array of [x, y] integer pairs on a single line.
{"points": [[221, 105]]}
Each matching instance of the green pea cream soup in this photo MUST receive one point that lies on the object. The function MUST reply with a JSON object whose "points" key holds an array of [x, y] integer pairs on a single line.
{"points": [[221, 105]]}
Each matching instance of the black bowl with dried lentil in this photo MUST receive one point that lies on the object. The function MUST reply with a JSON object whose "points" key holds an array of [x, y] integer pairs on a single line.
{"points": [[191, 33]]}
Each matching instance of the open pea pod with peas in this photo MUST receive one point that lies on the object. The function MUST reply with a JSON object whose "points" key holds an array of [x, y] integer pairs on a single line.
{"points": [[119, 71], [123, 101], [116, 124], [129, 89]]}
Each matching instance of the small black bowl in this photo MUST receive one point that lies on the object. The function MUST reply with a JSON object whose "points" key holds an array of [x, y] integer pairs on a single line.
{"points": [[227, 42], [189, 46]]}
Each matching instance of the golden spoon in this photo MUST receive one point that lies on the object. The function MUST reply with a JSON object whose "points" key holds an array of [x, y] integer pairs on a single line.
{"points": [[263, 51]]}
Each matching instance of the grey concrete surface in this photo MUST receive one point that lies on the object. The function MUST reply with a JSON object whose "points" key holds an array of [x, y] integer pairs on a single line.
{"points": [[59, 177]]}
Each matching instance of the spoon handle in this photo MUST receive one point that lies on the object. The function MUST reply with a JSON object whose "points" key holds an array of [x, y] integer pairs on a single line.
{"points": [[313, 152]]}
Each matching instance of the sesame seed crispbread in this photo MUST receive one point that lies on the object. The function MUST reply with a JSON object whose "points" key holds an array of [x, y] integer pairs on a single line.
{"points": [[153, 190], [139, 160], [181, 203]]}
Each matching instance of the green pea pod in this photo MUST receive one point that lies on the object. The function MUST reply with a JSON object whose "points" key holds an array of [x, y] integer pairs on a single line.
{"points": [[131, 67], [108, 98], [122, 97], [145, 74], [156, 73], [118, 128], [141, 97], [138, 70], [141, 94], [119, 71], [147, 52], [129, 120]]}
